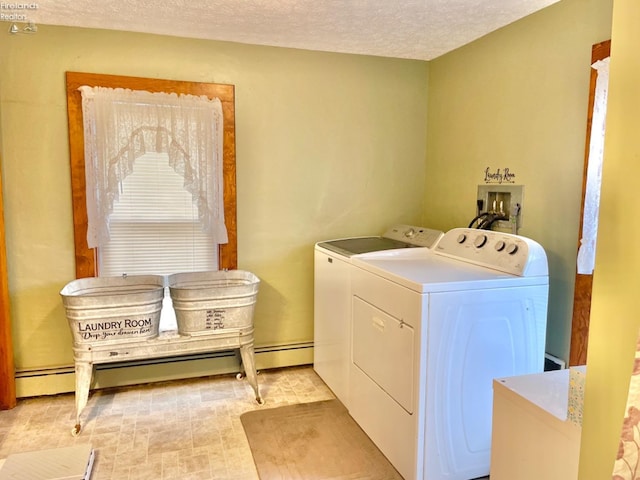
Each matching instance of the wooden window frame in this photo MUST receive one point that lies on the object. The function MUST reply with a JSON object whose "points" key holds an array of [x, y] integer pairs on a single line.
{"points": [[584, 282], [86, 258], [7, 366]]}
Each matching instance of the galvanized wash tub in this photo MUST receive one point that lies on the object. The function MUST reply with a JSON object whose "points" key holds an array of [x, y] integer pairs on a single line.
{"points": [[113, 309], [208, 302]]}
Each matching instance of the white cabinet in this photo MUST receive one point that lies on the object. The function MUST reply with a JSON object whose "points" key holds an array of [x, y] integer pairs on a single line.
{"points": [[532, 437]]}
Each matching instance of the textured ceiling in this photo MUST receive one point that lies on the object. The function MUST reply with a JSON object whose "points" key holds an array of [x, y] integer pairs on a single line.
{"points": [[415, 29]]}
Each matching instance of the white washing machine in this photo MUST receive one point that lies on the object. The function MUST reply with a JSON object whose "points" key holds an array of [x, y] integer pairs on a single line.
{"points": [[332, 297], [431, 330]]}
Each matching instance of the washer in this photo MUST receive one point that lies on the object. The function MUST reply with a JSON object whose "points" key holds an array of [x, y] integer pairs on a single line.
{"points": [[332, 297], [431, 330]]}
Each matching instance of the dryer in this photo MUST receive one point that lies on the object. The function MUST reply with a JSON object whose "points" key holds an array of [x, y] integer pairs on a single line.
{"points": [[431, 330], [332, 296]]}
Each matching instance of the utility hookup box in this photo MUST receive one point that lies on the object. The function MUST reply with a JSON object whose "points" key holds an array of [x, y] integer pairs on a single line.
{"points": [[506, 200]]}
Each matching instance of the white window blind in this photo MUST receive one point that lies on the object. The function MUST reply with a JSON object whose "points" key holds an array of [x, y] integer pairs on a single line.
{"points": [[154, 225]]}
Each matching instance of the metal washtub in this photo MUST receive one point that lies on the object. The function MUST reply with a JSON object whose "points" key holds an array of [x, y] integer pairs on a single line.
{"points": [[206, 302], [113, 309], [116, 319]]}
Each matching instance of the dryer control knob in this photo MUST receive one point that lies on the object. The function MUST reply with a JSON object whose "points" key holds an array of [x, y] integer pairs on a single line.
{"points": [[410, 233], [462, 238], [512, 249], [480, 241], [500, 245]]}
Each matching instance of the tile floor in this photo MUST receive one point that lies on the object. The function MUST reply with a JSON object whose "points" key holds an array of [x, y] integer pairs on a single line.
{"points": [[188, 429], [180, 430]]}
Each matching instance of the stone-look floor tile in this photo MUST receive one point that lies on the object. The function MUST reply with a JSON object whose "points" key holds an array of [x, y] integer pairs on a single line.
{"points": [[170, 440], [182, 430], [194, 463]]}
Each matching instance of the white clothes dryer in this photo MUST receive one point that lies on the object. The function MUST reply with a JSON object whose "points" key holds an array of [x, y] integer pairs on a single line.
{"points": [[332, 297], [432, 328]]}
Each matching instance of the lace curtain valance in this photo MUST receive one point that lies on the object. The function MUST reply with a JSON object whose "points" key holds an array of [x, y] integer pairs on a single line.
{"points": [[587, 250], [120, 125]]}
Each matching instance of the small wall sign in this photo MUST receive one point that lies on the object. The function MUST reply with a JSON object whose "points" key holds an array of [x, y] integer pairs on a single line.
{"points": [[499, 176]]}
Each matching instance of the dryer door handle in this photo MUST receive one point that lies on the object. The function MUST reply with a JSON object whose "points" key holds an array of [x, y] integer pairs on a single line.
{"points": [[378, 323]]}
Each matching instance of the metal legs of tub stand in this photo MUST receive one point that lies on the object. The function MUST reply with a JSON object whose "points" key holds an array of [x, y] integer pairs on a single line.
{"points": [[248, 362], [84, 373]]}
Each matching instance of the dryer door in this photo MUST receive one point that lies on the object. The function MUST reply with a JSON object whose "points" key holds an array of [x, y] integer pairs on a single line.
{"points": [[383, 348]]}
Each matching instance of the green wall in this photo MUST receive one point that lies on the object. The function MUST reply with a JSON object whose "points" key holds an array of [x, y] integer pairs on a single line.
{"points": [[328, 145], [615, 322], [517, 99]]}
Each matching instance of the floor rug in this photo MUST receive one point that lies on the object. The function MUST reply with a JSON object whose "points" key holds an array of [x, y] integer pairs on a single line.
{"points": [[313, 441]]}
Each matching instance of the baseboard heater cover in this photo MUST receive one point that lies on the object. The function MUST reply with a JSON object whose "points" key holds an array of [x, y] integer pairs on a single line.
{"points": [[65, 370], [61, 379], [552, 362]]}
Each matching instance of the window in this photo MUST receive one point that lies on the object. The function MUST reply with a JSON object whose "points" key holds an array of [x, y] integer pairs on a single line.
{"points": [[88, 260]]}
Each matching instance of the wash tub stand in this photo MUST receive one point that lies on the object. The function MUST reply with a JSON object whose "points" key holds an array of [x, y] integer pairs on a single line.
{"points": [[166, 344]]}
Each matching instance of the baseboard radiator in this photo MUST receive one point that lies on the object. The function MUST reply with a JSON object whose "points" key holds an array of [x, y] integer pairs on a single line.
{"points": [[51, 381]]}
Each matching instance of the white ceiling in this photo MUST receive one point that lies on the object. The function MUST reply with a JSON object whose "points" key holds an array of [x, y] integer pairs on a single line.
{"points": [[414, 29]]}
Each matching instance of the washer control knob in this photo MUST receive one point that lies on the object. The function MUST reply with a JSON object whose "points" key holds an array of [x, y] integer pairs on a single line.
{"points": [[462, 238], [410, 233], [480, 241], [512, 249], [500, 245]]}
